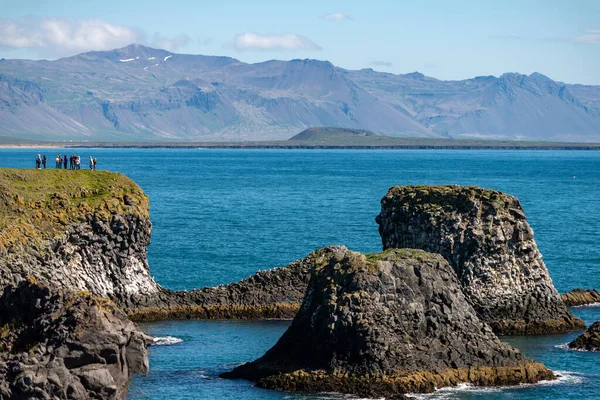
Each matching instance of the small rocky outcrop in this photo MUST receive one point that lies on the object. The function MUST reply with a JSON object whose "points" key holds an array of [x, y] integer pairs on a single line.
{"points": [[589, 341], [487, 240], [581, 297], [77, 230], [63, 345], [383, 325]]}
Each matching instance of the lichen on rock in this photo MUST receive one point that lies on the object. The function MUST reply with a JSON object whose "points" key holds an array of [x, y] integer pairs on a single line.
{"points": [[57, 344], [487, 240], [383, 325]]}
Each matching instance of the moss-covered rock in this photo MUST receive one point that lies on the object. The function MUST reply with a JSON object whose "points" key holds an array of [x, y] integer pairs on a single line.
{"points": [[386, 324], [487, 240], [79, 230]]}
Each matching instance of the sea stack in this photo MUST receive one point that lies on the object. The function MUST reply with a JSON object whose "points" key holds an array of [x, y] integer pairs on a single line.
{"points": [[57, 344], [386, 324], [487, 240], [77, 230]]}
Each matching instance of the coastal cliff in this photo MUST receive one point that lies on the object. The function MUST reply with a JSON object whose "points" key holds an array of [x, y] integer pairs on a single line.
{"points": [[76, 230], [386, 324], [487, 240], [58, 344]]}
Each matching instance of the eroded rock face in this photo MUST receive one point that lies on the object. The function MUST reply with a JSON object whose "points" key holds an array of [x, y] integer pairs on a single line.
{"points": [[485, 237], [581, 297], [77, 230], [66, 345], [589, 341], [383, 325]]}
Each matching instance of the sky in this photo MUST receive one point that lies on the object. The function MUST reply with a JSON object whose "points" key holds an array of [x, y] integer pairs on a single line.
{"points": [[444, 39]]}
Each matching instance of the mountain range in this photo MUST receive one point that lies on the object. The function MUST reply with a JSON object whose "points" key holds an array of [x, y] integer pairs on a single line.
{"points": [[138, 93]]}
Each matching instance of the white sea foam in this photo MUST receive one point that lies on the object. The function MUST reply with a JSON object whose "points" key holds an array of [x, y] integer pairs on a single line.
{"points": [[588, 305], [165, 340], [167, 57], [151, 58], [127, 60], [563, 377], [565, 346]]}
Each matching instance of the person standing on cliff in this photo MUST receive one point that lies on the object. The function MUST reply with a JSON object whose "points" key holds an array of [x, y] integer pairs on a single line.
{"points": [[44, 159], [95, 162], [38, 161], [66, 160], [91, 163]]}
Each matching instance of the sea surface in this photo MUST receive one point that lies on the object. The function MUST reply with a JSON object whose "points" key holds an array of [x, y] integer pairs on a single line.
{"points": [[220, 215]]}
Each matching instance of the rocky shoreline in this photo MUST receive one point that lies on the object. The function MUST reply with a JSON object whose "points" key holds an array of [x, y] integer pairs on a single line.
{"points": [[581, 297], [589, 341], [66, 345], [389, 323]]}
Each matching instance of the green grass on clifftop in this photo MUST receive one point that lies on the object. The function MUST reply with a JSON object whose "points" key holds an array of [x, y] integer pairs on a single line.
{"points": [[36, 205]]}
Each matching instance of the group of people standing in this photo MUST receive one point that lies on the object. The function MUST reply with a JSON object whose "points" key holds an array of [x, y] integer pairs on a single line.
{"points": [[64, 162]]}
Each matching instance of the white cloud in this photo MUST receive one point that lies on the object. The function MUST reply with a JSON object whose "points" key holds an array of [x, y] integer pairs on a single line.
{"points": [[337, 16], [173, 44], [58, 36], [591, 36], [55, 37], [285, 42]]}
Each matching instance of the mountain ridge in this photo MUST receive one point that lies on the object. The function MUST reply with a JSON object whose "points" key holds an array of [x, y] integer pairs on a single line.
{"points": [[139, 93]]}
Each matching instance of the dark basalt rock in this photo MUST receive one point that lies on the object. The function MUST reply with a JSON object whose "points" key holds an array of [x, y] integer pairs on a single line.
{"points": [[589, 341], [383, 325], [64, 345], [275, 293], [580, 297], [485, 237]]}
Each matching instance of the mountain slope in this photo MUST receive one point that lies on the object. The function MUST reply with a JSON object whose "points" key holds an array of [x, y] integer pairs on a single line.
{"points": [[142, 94]]}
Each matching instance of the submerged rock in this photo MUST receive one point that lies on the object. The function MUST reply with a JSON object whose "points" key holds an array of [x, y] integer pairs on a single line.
{"points": [[65, 345], [383, 325], [589, 341], [487, 240], [581, 297]]}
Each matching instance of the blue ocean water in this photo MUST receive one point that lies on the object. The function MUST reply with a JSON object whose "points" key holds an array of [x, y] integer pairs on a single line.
{"points": [[220, 215]]}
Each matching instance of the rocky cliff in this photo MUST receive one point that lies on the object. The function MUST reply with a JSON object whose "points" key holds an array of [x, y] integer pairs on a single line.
{"points": [[77, 230], [58, 344], [383, 325], [486, 238]]}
